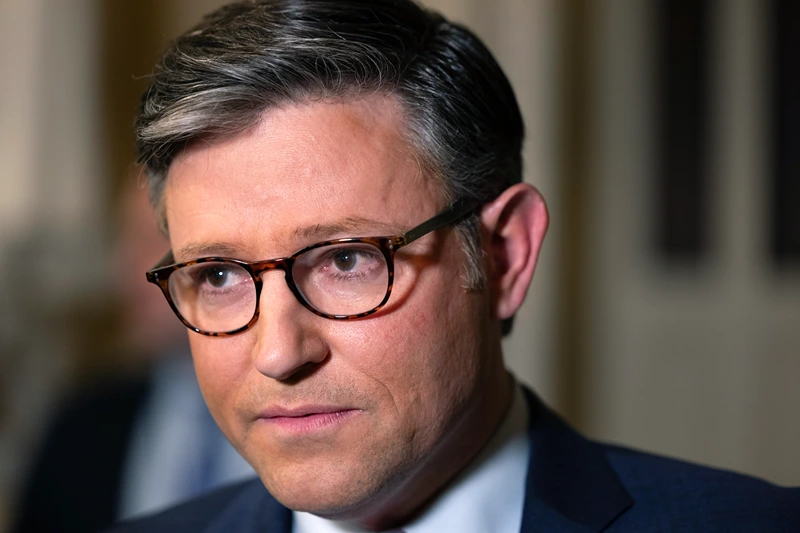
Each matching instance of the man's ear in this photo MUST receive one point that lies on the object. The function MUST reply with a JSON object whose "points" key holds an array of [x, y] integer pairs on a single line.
{"points": [[515, 224]]}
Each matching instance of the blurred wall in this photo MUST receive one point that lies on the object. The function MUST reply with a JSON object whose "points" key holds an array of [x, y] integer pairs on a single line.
{"points": [[51, 233], [696, 356], [696, 359]]}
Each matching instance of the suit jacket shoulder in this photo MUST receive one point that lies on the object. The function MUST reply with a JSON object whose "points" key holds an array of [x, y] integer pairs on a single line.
{"points": [[672, 495], [578, 485], [242, 507]]}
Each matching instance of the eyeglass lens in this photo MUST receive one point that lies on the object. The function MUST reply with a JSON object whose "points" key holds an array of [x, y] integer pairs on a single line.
{"points": [[338, 279]]}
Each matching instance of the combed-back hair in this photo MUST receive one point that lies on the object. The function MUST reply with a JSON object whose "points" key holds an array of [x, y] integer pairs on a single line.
{"points": [[463, 122]]}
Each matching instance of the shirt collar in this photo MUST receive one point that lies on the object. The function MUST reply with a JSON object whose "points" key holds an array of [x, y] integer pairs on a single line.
{"points": [[487, 496]]}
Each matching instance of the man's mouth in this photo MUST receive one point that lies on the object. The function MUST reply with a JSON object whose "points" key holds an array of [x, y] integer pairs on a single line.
{"points": [[306, 419]]}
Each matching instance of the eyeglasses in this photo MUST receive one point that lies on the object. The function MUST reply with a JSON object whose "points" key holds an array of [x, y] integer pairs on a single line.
{"points": [[342, 279]]}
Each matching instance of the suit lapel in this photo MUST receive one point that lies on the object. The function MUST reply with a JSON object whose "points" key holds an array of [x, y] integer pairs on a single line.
{"points": [[570, 485]]}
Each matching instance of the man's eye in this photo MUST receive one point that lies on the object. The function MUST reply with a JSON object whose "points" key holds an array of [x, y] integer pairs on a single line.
{"points": [[219, 276], [345, 260], [355, 260], [215, 276]]}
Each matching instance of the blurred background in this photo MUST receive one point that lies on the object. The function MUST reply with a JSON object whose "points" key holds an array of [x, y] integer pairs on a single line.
{"points": [[665, 313]]}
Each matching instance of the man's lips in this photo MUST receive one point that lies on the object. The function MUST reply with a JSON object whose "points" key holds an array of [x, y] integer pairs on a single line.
{"points": [[301, 411], [308, 418]]}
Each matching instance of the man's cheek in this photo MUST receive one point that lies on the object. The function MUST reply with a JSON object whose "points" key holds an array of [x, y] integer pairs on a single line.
{"points": [[221, 360], [221, 370]]}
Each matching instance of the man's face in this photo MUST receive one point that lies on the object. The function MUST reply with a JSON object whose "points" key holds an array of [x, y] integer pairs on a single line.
{"points": [[332, 414]]}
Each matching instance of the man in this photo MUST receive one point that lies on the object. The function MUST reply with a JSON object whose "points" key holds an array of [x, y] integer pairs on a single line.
{"points": [[341, 185]]}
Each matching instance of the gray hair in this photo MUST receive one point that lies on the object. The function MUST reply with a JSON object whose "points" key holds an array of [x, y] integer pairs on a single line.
{"points": [[464, 124]]}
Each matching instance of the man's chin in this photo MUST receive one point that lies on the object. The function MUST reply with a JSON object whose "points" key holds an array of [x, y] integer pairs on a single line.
{"points": [[336, 506], [351, 498]]}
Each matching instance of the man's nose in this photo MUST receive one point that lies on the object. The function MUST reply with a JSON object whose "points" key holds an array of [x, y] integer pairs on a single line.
{"points": [[286, 337]]}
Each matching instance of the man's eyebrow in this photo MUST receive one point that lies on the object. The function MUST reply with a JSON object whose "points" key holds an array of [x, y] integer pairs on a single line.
{"points": [[195, 250], [347, 227]]}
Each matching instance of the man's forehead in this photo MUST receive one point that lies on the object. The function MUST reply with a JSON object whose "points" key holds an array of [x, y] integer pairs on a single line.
{"points": [[364, 112], [307, 137], [305, 174]]}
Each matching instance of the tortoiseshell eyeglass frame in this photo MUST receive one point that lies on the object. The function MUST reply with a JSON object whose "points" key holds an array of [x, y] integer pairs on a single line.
{"points": [[160, 273]]}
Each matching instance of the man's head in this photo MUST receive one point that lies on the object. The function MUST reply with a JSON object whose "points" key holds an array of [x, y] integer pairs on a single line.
{"points": [[275, 125], [461, 117]]}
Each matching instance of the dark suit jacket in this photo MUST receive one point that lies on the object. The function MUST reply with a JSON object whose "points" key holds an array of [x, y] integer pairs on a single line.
{"points": [[74, 485], [573, 485]]}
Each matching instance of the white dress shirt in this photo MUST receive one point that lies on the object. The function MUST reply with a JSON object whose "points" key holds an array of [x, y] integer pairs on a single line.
{"points": [[487, 497]]}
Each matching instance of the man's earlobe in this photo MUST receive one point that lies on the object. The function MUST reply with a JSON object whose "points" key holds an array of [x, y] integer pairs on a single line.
{"points": [[515, 224]]}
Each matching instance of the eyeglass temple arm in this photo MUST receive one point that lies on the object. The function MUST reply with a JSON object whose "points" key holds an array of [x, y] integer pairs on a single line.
{"points": [[458, 210]]}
